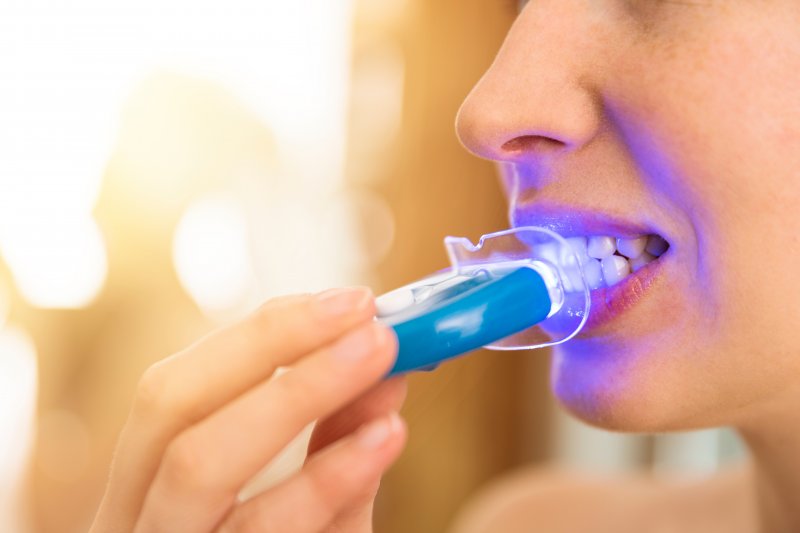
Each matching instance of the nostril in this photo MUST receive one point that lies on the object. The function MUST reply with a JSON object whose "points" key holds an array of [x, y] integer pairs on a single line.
{"points": [[532, 144]]}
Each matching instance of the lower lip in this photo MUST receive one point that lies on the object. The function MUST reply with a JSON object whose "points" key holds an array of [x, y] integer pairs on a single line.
{"points": [[608, 303]]}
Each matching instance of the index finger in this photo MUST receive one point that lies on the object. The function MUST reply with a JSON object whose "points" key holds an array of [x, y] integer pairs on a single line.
{"points": [[191, 384], [210, 373]]}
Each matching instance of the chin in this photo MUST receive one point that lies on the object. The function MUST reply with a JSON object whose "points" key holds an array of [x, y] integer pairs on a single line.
{"points": [[624, 389]]}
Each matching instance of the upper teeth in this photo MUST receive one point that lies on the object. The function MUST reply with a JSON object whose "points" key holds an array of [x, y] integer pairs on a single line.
{"points": [[632, 247], [606, 261]]}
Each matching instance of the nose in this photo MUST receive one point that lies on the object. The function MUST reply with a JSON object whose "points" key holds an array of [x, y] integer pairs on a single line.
{"points": [[538, 99]]}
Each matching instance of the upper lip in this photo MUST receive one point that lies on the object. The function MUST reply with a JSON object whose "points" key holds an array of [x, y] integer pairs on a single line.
{"points": [[569, 221]]}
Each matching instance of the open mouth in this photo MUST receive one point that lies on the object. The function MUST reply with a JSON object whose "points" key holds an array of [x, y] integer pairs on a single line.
{"points": [[621, 258], [608, 261], [618, 271]]}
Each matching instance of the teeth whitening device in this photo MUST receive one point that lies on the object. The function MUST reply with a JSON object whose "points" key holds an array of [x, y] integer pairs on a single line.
{"points": [[517, 289]]}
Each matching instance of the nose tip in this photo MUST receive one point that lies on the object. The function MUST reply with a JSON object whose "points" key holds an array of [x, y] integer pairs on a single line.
{"points": [[473, 133], [495, 125], [484, 132], [542, 95]]}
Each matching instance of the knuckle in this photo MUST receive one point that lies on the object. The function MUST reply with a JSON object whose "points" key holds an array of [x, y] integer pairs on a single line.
{"points": [[268, 312], [186, 466], [296, 389], [264, 314], [153, 392], [276, 318]]}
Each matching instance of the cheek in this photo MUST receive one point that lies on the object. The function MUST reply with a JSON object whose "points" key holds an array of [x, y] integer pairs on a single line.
{"points": [[714, 131], [735, 128], [663, 382], [716, 128]]}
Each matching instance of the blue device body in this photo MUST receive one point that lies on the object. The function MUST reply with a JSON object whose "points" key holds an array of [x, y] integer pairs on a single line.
{"points": [[469, 315]]}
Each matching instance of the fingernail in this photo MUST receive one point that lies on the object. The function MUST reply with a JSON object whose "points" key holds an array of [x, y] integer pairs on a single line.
{"points": [[376, 433], [360, 343], [339, 302]]}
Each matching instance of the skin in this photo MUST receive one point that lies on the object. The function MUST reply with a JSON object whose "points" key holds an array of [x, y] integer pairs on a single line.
{"points": [[209, 418], [682, 116]]}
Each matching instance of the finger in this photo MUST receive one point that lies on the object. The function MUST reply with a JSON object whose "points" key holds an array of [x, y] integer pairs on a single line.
{"points": [[385, 397], [191, 384], [206, 466], [311, 500], [198, 380]]}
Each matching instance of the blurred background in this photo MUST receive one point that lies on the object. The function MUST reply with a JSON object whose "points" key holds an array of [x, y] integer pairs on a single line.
{"points": [[167, 165]]}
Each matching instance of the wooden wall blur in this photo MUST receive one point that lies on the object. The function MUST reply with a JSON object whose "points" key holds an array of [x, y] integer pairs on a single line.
{"points": [[479, 416], [470, 420]]}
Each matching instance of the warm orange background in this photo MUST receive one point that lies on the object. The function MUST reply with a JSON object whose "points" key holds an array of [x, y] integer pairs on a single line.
{"points": [[470, 421], [466, 419]]}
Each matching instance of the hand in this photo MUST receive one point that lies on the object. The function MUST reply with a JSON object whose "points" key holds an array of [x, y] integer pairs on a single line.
{"points": [[207, 419]]}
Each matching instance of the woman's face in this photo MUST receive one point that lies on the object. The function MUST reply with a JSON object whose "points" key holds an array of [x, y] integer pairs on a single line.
{"points": [[674, 118]]}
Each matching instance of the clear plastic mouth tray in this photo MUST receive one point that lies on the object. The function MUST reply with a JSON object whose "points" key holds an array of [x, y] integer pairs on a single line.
{"points": [[517, 289]]}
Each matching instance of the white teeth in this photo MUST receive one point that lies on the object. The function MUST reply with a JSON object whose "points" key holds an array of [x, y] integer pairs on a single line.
{"points": [[547, 252], [615, 268], [638, 262], [602, 259], [631, 248], [656, 245], [579, 246], [601, 247], [572, 280], [593, 273]]}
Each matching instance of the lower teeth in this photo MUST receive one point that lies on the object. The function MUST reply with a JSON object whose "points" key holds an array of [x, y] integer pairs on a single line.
{"points": [[612, 266]]}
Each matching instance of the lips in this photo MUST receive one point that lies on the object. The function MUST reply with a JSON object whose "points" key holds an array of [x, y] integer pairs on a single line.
{"points": [[609, 303], [622, 259]]}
